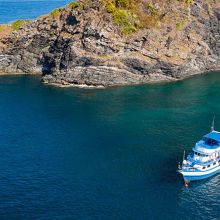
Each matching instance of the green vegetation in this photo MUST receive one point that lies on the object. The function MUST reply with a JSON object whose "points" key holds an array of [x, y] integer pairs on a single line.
{"points": [[110, 7], [125, 19], [152, 9], [72, 5], [122, 3], [188, 2], [17, 24], [55, 13], [179, 25], [132, 15], [78, 4]]}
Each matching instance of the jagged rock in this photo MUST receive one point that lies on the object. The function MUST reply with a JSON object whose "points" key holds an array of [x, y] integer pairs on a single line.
{"points": [[83, 46]]}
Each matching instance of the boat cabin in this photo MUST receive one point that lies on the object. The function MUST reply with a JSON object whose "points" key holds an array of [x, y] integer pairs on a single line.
{"points": [[208, 149]]}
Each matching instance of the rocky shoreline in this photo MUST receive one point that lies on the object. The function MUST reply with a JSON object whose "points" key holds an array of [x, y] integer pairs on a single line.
{"points": [[82, 46]]}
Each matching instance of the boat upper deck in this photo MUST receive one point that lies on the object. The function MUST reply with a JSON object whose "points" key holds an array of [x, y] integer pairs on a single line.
{"points": [[209, 144]]}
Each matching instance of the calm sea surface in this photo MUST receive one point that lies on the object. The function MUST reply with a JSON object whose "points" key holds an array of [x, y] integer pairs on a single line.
{"points": [[11, 10], [101, 154], [69, 153]]}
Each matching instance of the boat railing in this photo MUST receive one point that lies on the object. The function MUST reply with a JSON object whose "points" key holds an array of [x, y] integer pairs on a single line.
{"points": [[189, 169], [200, 162]]}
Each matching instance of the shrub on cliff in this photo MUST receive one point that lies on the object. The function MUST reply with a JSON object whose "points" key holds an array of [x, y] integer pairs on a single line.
{"points": [[72, 5], [121, 15], [110, 7], [122, 3], [55, 13], [132, 15], [125, 19], [17, 24]]}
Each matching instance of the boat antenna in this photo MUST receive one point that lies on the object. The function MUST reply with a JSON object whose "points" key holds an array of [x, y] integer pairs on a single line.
{"points": [[213, 124]]}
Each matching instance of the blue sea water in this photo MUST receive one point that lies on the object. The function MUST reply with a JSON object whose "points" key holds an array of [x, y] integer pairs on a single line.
{"points": [[69, 153], [11, 10]]}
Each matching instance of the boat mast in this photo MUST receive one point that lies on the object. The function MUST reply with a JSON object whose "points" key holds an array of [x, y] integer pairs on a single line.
{"points": [[213, 124], [183, 155]]}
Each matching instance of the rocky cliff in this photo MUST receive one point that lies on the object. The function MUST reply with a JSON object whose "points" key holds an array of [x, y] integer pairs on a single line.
{"points": [[83, 44]]}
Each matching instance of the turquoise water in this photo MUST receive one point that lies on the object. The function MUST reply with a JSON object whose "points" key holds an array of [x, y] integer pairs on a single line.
{"points": [[11, 10], [69, 153]]}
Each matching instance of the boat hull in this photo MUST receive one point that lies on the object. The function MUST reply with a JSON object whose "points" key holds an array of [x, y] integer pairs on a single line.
{"points": [[199, 175]]}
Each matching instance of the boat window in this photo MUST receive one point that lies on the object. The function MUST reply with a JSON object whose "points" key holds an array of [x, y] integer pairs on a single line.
{"points": [[214, 163], [203, 168], [208, 166], [195, 153]]}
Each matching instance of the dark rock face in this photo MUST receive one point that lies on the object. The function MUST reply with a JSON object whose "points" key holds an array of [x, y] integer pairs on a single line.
{"points": [[82, 46]]}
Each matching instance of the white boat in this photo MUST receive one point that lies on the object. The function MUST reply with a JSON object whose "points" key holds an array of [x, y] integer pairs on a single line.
{"points": [[204, 161]]}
